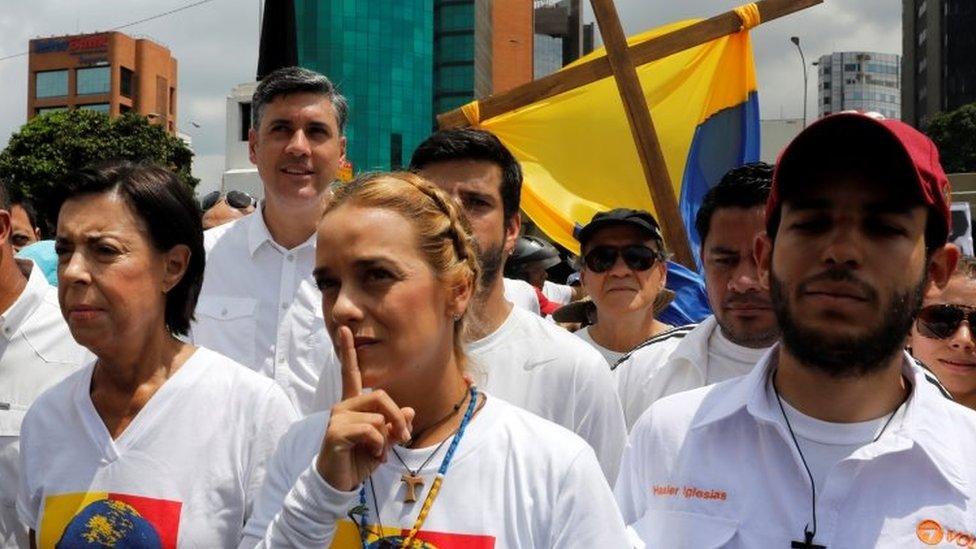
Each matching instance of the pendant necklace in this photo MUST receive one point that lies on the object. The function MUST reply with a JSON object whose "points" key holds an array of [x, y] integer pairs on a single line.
{"points": [[808, 533], [362, 510], [412, 477]]}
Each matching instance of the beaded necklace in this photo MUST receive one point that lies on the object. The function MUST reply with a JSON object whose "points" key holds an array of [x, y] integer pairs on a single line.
{"points": [[435, 487]]}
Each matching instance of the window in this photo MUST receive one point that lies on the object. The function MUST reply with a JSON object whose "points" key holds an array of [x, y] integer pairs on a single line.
{"points": [[44, 110], [124, 108], [826, 85], [826, 100], [51, 84], [98, 107], [396, 151], [245, 120], [162, 97], [94, 80], [126, 82]]}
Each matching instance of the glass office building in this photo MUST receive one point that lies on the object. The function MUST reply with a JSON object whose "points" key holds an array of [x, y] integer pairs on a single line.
{"points": [[858, 80], [379, 53], [454, 54]]}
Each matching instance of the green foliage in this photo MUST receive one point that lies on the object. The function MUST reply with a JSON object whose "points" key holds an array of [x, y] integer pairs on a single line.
{"points": [[955, 134], [52, 145]]}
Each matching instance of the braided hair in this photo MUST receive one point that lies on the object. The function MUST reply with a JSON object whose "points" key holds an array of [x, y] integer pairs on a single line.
{"points": [[443, 233]]}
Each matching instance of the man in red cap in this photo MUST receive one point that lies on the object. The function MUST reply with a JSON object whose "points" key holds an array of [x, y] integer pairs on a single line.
{"points": [[836, 438]]}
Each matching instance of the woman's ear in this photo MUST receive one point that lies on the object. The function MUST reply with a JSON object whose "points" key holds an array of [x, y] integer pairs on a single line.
{"points": [[175, 263], [460, 296]]}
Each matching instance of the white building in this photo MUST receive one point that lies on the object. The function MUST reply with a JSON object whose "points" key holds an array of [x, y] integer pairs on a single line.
{"points": [[239, 174], [775, 135], [859, 80]]}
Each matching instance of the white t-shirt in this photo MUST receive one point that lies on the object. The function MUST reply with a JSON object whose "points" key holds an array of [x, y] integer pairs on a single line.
{"points": [[727, 360], [521, 294], [36, 352], [610, 356], [825, 444], [540, 367], [557, 293], [259, 306], [515, 481], [186, 471], [635, 372]]}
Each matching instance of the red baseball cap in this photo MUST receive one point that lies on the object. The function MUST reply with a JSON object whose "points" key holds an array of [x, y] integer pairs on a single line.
{"points": [[847, 130]]}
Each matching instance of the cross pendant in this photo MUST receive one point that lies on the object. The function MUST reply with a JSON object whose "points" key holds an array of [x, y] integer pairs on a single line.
{"points": [[412, 481], [807, 542]]}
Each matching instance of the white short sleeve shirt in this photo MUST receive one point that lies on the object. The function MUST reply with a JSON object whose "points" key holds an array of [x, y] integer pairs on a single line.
{"points": [[36, 352], [184, 473], [521, 294], [259, 306]]}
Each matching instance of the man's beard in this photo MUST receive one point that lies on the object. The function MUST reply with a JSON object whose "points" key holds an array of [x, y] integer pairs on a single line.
{"points": [[491, 264], [847, 356]]}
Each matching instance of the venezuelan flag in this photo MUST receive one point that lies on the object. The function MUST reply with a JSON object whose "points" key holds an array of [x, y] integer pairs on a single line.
{"points": [[103, 519], [578, 154]]}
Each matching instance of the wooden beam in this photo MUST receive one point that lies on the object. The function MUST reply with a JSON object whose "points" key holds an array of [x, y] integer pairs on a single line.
{"points": [[597, 69], [642, 129]]}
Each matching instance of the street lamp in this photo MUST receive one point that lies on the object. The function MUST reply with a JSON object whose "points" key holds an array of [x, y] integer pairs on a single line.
{"points": [[803, 63]]}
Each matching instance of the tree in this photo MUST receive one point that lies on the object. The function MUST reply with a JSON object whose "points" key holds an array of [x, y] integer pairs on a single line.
{"points": [[955, 134], [50, 146]]}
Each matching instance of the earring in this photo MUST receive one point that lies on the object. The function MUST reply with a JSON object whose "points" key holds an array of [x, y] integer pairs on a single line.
{"points": [[456, 317]]}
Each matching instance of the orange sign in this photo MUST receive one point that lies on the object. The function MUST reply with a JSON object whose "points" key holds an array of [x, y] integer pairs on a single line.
{"points": [[929, 532]]}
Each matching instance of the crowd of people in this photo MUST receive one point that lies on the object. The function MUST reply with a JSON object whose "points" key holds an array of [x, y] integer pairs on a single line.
{"points": [[384, 363]]}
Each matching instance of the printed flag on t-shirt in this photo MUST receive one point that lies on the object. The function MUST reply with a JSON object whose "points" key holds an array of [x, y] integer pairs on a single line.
{"points": [[348, 537], [102, 519]]}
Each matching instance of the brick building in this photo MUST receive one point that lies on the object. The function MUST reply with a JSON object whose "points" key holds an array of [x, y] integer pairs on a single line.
{"points": [[109, 72]]}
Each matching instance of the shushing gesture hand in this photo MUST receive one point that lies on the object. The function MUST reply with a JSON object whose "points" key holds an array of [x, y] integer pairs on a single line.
{"points": [[361, 427]]}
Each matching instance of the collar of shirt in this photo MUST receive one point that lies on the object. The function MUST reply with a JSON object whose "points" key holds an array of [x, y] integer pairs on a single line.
{"points": [[693, 349], [926, 421], [14, 317], [258, 233]]}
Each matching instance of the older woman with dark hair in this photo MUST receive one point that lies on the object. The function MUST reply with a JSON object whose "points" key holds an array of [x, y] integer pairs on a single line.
{"points": [[157, 443]]}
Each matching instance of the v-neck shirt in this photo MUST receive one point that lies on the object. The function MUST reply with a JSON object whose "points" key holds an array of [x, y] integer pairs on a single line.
{"points": [[185, 470]]}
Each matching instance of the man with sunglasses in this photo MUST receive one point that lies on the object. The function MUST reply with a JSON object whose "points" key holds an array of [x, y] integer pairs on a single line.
{"points": [[623, 270], [219, 209], [943, 336], [836, 438]]}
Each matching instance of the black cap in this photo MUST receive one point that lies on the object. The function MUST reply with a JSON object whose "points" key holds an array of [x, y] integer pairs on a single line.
{"points": [[641, 219]]}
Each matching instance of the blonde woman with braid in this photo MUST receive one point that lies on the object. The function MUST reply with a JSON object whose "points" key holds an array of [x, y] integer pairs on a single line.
{"points": [[422, 458]]}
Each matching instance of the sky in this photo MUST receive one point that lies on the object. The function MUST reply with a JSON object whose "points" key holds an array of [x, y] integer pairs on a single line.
{"points": [[216, 43]]}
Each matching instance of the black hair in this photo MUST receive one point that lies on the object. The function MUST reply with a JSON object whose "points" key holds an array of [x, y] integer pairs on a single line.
{"points": [[291, 80], [745, 187], [29, 209], [472, 144], [171, 216]]}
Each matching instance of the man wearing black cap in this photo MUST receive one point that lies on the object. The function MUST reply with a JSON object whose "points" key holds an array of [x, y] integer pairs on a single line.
{"points": [[836, 438], [623, 270]]}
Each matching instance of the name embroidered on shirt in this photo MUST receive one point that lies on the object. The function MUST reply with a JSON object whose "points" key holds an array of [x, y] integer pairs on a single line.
{"points": [[930, 532], [688, 492]]}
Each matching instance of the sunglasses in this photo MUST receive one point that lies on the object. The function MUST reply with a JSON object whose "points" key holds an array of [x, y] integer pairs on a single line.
{"points": [[234, 199], [638, 257], [941, 321]]}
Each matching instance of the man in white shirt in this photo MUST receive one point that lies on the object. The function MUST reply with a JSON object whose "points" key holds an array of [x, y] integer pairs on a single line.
{"points": [[259, 304], [516, 355], [836, 438], [36, 352], [742, 327]]}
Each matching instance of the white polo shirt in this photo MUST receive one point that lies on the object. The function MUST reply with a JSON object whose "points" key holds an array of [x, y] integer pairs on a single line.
{"points": [[716, 467], [260, 307], [36, 352]]}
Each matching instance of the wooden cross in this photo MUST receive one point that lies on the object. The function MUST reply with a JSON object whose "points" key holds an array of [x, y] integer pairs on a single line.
{"points": [[620, 62], [412, 481]]}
